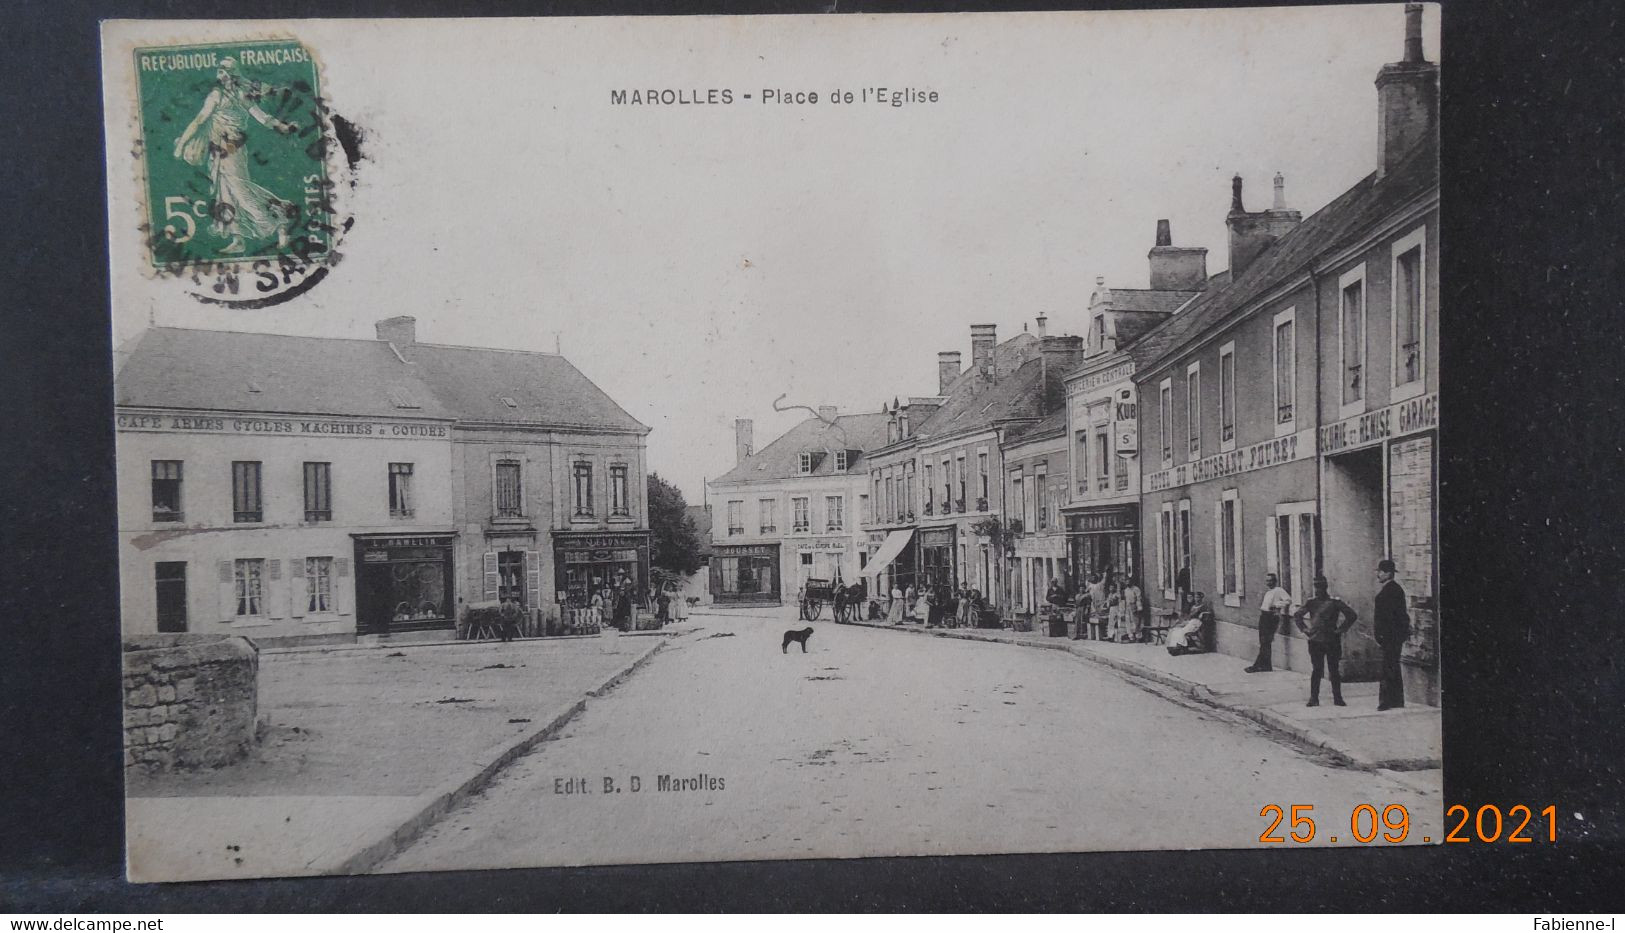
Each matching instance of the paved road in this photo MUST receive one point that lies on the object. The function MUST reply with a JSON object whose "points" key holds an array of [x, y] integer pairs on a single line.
{"points": [[880, 743]]}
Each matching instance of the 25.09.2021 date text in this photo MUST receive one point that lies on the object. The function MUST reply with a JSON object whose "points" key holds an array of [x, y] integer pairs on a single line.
{"points": [[1393, 824]]}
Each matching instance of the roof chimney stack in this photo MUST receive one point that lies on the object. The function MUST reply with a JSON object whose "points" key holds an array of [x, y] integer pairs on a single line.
{"points": [[1407, 98], [1043, 326], [1280, 192], [744, 439], [402, 330], [1253, 232], [1176, 268], [983, 338], [827, 413], [947, 370]]}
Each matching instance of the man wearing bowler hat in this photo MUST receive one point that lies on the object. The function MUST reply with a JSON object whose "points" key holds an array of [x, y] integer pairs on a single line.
{"points": [[1329, 617], [1392, 626]]}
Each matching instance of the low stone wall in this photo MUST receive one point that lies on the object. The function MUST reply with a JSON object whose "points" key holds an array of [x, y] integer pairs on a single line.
{"points": [[189, 700]]}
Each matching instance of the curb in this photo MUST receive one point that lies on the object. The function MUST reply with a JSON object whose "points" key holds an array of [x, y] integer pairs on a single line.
{"points": [[443, 799], [1199, 692]]}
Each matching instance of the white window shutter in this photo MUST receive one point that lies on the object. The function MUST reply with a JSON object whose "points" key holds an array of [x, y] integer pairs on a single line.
{"points": [[276, 591], [1218, 548], [533, 579], [298, 587], [228, 592], [1241, 551], [343, 589], [491, 581]]}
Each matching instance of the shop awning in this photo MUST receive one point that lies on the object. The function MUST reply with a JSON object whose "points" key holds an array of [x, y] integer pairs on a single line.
{"points": [[888, 551]]}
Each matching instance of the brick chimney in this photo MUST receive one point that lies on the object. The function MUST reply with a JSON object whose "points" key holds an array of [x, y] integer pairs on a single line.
{"points": [[827, 412], [983, 338], [947, 370], [1407, 98], [1251, 233], [1177, 268], [402, 331], [744, 439], [1043, 326]]}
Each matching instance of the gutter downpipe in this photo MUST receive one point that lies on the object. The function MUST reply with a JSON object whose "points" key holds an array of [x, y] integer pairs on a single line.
{"points": [[1320, 463]]}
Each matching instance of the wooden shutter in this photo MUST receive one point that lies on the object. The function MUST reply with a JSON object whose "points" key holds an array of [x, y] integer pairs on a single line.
{"points": [[533, 579], [342, 589], [228, 592], [1218, 548], [490, 568], [298, 587]]}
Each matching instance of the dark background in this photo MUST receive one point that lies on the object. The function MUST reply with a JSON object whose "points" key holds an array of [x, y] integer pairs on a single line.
{"points": [[1531, 528]]}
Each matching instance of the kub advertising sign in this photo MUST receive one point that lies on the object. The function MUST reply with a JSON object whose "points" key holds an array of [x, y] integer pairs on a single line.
{"points": [[1125, 424]]}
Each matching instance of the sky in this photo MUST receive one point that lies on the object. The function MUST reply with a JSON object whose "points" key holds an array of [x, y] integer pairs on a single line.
{"points": [[700, 262]]}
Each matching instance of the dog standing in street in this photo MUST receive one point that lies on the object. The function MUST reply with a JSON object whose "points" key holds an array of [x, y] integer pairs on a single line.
{"points": [[800, 635]]}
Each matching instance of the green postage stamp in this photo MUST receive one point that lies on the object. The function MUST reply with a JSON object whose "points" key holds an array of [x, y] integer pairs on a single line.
{"points": [[234, 147]]}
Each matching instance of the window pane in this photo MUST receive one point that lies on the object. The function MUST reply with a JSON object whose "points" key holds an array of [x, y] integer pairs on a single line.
{"points": [[1227, 396], [1353, 342], [1408, 315], [1285, 383]]}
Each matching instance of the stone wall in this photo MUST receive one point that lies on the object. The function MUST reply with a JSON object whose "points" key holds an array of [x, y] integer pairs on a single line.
{"points": [[189, 700]]}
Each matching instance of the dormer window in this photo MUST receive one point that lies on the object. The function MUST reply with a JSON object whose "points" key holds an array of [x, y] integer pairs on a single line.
{"points": [[840, 461], [902, 425], [1100, 332], [805, 463]]}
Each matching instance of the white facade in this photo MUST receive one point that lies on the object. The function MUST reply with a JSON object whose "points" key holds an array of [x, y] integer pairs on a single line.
{"points": [[283, 572]]}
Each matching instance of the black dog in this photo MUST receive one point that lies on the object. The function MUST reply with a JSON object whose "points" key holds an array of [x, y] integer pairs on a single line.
{"points": [[800, 635]]}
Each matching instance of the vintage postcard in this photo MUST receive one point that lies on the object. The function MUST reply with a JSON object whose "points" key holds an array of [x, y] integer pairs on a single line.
{"points": [[627, 440]]}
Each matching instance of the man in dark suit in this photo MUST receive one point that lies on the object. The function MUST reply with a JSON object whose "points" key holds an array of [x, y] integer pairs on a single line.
{"points": [[1391, 625]]}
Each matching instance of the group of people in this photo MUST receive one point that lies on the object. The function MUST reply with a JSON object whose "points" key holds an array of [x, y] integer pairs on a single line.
{"points": [[938, 605], [1111, 606], [1324, 619]]}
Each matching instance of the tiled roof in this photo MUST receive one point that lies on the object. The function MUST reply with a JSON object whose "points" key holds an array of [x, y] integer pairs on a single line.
{"points": [[976, 403], [545, 387], [782, 458], [1347, 217], [226, 370], [1147, 299], [1052, 425]]}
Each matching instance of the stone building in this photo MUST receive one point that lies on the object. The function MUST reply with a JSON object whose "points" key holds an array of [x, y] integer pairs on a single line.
{"points": [[1102, 509], [791, 511], [1293, 409], [312, 488]]}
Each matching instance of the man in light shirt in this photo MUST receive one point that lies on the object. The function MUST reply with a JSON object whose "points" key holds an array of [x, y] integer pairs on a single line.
{"points": [[1275, 605]]}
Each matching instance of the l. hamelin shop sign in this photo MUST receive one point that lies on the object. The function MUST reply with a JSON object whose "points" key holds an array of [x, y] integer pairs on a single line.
{"points": [[1398, 420]]}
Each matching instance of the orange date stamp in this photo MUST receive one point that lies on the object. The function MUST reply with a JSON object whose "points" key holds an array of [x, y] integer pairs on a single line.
{"points": [[1392, 824]]}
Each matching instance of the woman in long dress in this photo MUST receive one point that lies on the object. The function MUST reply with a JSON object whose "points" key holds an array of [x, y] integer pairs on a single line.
{"points": [[894, 608], [216, 137]]}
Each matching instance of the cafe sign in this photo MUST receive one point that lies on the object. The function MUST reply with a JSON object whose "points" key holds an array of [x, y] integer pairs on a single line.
{"points": [[1373, 427], [1288, 449]]}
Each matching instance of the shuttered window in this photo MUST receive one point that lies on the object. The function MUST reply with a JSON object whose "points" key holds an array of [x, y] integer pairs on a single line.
{"points": [[246, 504], [318, 492], [509, 498]]}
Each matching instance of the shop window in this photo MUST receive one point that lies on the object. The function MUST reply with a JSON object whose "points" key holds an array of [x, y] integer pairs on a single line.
{"points": [[401, 502], [318, 492], [581, 475], [767, 510], [834, 513], [166, 491], [169, 584], [801, 513], [509, 491], [1351, 339], [319, 584], [619, 493], [246, 504], [1409, 312], [1286, 372], [511, 576], [1227, 397], [1165, 420], [1193, 409], [736, 517], [1292, 549], [248, 575]]}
